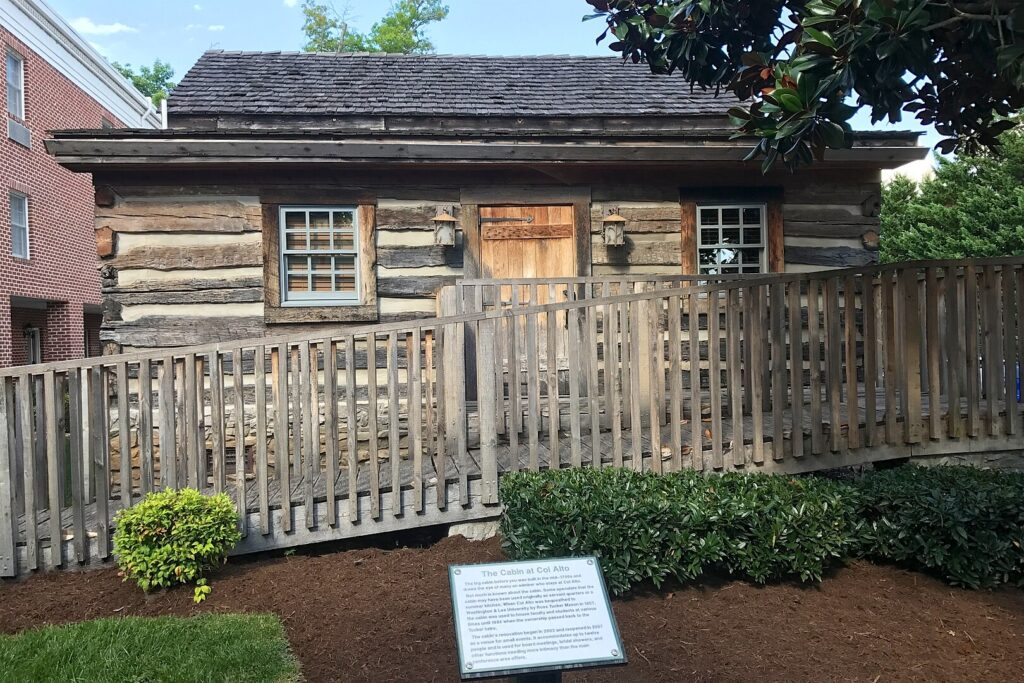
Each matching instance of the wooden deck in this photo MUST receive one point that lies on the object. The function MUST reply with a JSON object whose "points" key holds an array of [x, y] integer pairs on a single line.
{"points": [[461, 479], [873, 356]]}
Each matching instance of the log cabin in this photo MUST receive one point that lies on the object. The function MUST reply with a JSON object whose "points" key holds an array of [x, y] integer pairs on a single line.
{"points": [[294, 190]]}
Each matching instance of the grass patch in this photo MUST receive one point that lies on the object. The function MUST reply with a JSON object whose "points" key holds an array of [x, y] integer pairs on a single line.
{"points": [[227, 647]]}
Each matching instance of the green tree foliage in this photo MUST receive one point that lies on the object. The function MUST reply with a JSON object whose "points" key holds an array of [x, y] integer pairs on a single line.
{"points": [[804, 67], [401, 30], [152, 81], [974, 206]]}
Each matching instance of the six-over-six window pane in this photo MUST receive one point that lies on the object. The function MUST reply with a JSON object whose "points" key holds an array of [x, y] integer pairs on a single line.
{"points": [[319, 256], [731, 239]]}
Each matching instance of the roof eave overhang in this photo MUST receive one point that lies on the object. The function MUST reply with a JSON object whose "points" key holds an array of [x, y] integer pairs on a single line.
{"points": [[89, 154]]}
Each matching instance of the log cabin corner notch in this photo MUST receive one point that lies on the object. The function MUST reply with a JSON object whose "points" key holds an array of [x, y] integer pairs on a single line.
{"points": [[261, 150]]}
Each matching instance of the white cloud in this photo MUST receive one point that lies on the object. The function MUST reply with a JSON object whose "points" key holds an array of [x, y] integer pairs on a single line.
{"points": [[88, 27], [290, 3], [99, 48], [215, 27], [198, 8], [203, 27]]}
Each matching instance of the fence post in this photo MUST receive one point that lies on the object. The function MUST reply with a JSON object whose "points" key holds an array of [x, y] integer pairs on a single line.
{"points": [[454, 361], [911, 326], [644, 371], [486, 389], [8, 527]]}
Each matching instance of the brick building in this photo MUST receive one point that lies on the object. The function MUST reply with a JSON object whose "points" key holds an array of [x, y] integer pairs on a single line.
{"points": [[49, 282]]}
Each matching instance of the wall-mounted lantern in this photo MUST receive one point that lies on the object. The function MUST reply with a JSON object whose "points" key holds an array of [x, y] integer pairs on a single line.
{"points": [[444, 227], [614, 229]]}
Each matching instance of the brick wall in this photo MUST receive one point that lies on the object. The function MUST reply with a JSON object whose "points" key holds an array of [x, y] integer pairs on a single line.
{"points": [[93, 345], [62, 267], [20, 319]]}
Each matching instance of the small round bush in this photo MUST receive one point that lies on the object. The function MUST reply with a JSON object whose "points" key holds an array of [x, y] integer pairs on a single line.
{"points": [[174, 536]]}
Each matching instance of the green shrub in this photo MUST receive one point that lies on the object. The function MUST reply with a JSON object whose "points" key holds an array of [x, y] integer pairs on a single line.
{"points": [[648, 527], [173, 537], [963, 524]]}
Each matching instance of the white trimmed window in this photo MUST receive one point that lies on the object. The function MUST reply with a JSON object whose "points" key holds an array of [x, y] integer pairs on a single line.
{"points": [[16, 86], [319, 256], [731, 239], [19, 225]]}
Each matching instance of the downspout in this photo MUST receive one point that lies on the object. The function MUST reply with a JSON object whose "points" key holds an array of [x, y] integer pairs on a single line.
{"points": [[150, 109]]}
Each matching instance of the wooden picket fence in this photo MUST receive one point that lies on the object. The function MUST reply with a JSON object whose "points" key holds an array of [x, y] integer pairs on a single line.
{"points": [[387, 427]]}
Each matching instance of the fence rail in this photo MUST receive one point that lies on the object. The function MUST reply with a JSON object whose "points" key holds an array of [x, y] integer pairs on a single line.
{"points": [[384, 427]]}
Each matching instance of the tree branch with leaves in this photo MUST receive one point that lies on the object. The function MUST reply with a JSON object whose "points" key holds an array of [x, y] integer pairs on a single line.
{"points": [[803, 68], [401, 30], [152, 81]]}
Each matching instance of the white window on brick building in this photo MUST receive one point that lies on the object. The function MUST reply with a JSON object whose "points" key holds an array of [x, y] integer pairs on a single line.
{"points": [[16, 86], [19, 225], [731, 239], [319, 256]]}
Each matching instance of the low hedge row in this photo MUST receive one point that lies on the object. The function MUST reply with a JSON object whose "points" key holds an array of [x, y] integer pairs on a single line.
{"points": [[960, 523]]}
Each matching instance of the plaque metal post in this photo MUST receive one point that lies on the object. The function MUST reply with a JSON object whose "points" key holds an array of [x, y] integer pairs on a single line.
{"points": [[541, 677]]}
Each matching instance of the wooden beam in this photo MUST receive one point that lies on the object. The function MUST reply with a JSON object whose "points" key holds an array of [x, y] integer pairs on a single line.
{"points": [[688, 235], [192, 151], [775, 250], [190, 257], [174, 215], [830, 256]]}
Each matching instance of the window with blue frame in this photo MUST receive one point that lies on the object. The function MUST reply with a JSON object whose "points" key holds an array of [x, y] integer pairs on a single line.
{"points": [[319, 256]]}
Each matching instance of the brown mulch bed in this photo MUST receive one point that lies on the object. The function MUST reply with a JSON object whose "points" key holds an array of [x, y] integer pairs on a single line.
{"points": [[385, 616]]}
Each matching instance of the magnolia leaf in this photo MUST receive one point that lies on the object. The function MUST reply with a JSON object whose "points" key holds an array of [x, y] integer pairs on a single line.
{"points": [[819, 36]]}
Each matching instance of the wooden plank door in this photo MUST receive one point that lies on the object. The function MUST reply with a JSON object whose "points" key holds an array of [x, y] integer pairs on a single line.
{"points": [[532, 241], [527, 241]]}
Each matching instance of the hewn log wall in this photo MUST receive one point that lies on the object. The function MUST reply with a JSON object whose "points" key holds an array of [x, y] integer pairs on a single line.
{"points": [[182, 263]]}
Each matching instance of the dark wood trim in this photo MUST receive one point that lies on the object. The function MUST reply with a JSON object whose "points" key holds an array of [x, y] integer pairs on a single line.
{"points": [[688, 236], [731, 193], [470, 224], [775, 249], [584, 249], [579, 197], [271, 262], [772, 197], [344, 196], [524, 195], [275, 313], [84, 153]]}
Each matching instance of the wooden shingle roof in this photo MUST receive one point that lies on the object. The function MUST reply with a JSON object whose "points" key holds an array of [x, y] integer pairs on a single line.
{"points": [[352, 84]]}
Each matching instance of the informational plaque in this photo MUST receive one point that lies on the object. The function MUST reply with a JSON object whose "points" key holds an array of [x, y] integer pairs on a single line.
{"points": [[532, 616]]}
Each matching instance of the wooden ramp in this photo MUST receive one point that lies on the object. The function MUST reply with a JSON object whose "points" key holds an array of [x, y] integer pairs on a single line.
{"points": [[391, 427]]}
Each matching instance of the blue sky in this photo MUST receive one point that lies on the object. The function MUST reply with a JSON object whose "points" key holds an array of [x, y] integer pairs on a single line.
{"points": [[138, 31], [176, 31]]}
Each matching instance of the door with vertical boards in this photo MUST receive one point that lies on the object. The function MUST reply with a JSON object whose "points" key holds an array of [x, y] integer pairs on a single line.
{"points": [[527, 242], [531, 241]]}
